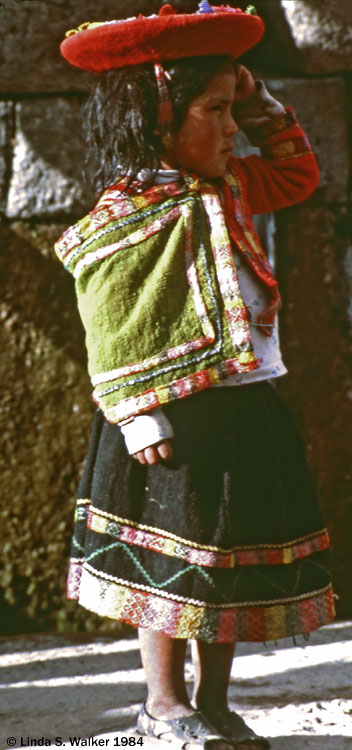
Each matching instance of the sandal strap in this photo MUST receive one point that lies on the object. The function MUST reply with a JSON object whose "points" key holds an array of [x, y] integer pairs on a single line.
{"points": [[194, 729]]}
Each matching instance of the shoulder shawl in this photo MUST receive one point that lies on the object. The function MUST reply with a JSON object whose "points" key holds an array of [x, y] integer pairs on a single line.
{"points": [[158, 292]]}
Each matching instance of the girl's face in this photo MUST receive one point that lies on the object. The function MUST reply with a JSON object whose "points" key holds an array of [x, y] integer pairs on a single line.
{"points": [[204, 142]]}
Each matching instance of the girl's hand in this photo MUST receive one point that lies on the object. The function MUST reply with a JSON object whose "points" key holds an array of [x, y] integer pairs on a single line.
{"points": [[245, 85], [154, 453]]}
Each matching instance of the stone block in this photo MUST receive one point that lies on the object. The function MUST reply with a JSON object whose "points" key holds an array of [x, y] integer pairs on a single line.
{"points": [[31, 32], [322, 33], [321, 106], [47, 160], [305, 36]]}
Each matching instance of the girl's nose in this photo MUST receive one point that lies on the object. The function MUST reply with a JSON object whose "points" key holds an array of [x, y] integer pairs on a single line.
{"points": [[231, 126]]}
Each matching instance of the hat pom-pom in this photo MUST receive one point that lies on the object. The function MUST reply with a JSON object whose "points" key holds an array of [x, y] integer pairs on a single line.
{"points": [[204, 7], [167, 10]]}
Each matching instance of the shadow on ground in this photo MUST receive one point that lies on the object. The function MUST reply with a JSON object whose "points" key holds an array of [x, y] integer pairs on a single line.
{"points": [[56, 688]]}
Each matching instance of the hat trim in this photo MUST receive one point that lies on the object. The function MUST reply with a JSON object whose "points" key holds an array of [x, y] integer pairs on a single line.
{"points": [[107, 45]]}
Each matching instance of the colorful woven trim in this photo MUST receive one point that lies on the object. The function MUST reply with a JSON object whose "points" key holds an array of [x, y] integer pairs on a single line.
{"points": [[224, 331], [288, 149], [169, 544], [142, 607], [161, 395], [248, 242], [294, 145]]}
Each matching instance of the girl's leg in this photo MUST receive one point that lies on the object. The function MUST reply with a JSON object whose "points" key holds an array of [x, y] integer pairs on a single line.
{"points": [[212, 667], [163, 661]]}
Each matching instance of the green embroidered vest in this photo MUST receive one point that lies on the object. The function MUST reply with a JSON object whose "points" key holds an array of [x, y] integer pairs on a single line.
{"points": [[158, 293]]}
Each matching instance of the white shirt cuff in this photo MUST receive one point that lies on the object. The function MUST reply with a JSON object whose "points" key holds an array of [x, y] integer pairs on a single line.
{"points": [[145, 430]]}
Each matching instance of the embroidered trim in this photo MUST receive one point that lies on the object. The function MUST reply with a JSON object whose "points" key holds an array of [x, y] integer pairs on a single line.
{"points": [[98, 574], [177, 357], [132, 239], [287, 149], [160, 395], [143, 607], [235, 310], [169, 544], [235, 313], [210, 337]]}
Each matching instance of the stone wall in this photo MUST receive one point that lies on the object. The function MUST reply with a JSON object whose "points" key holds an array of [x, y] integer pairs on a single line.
{"points": [[45, 407]]}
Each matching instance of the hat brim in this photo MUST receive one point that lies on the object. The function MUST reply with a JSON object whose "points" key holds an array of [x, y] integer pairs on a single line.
{"points": [[155, 39]]}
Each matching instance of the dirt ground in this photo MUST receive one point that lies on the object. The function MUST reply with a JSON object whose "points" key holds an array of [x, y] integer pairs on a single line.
{"points": [[64, 691]]}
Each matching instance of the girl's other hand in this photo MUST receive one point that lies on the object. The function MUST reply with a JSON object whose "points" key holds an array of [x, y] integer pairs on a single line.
{"points": [[245, 85], [154, 453]]}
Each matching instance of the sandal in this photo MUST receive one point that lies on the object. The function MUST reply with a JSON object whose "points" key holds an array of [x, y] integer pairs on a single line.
{"points": [[235, 729], [192, 731]]}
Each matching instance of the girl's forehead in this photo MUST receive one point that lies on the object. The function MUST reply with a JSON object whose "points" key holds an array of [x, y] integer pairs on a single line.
{"points": [[220, 85]]}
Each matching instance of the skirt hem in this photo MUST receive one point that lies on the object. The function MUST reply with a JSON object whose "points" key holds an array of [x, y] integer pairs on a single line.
{"points": [[258, 621]]}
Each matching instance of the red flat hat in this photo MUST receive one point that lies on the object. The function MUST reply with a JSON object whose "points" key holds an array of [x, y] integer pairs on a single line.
{"points": [[212, 30]]}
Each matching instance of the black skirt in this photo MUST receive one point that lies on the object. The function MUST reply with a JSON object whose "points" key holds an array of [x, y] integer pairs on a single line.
{"points": [[223, 543]]}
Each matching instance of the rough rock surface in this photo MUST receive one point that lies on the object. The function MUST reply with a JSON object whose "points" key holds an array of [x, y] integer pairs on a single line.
{"points": [[46, 176], [314, 266], [45, 417], [322, 31]]}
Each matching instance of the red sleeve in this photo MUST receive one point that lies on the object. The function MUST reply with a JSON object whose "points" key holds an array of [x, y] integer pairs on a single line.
{"points": [[285, 173]]}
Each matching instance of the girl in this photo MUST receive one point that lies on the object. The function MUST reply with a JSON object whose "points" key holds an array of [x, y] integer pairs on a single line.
{"points": [[197, 517]]}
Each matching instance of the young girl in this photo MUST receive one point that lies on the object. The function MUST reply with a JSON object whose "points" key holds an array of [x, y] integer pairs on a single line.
{"points": [[197, 517]]}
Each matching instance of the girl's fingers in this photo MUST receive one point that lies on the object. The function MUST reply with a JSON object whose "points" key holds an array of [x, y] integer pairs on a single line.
{"points": [[165, 450], [147, 456], [151, 455], [245, 85], [154, 453], [140, 457]]}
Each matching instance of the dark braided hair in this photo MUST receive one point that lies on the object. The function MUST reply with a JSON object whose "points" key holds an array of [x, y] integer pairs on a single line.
{"points": [[120, 125]]}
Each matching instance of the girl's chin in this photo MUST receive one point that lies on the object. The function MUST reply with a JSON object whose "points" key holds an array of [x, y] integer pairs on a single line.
{"points": [[217, 170], [212, 174]]}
